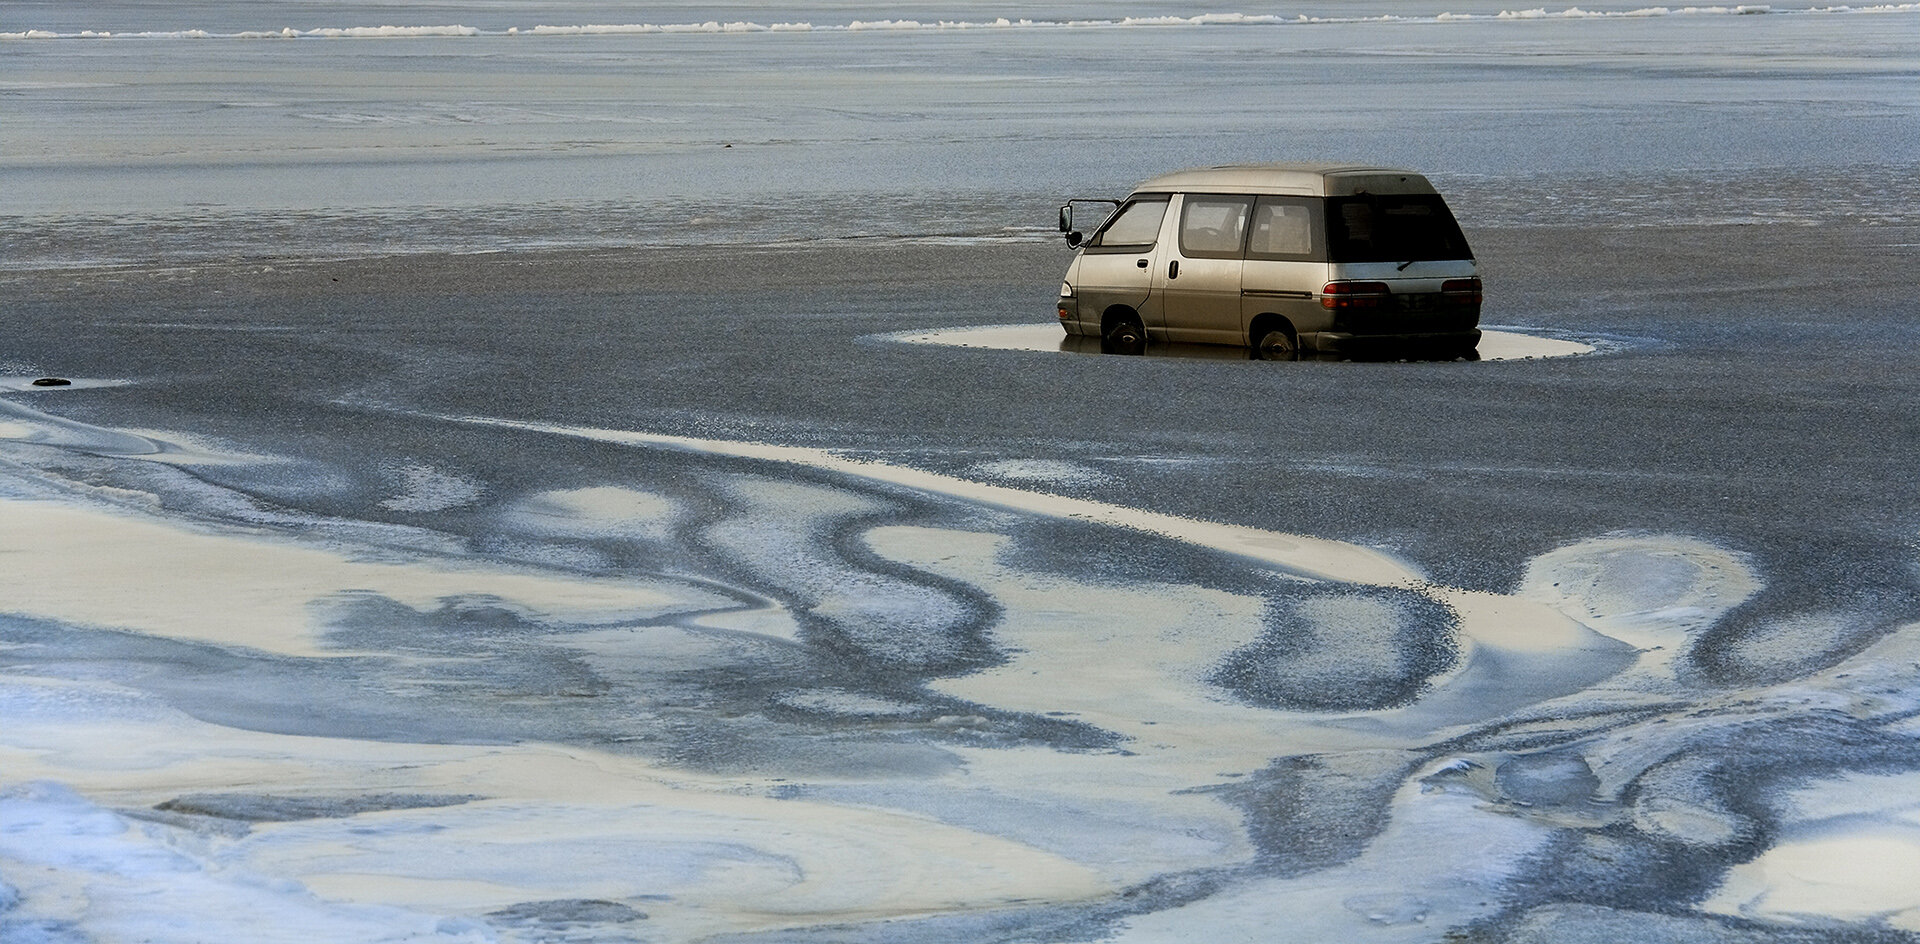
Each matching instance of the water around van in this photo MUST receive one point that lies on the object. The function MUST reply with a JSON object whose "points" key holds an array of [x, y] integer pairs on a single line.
{"points": [[1495, 344], [487, 506]]}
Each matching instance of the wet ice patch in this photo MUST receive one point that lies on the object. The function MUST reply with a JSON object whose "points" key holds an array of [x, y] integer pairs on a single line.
{"points": [[1554, 778], [1892, 795], [1131, 659], [80, 868], [273, 808], [599, 512], [774, 622], [233, 587], [1440, 861], [803, 539], [1295, 554], [699, 855], [1343, 651], [1681, 801], [564, 913], [519, 851], [187, 449], [22, 423], [1595, 924], [1785, 646], [1050, 472], [1851, 852], [1388, 908], [1313, 811], [425, 488], [1651, 591], [697, 862], [1863, 873], [842, 703]]}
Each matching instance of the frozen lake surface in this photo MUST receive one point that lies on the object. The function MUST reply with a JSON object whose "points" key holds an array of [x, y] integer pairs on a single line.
{"points": [[200, 130], [573, 472]]}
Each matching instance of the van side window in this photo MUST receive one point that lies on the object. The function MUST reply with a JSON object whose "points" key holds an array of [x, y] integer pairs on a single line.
{"points": [[1287, 228], [1134, 226], [1213, 227]]}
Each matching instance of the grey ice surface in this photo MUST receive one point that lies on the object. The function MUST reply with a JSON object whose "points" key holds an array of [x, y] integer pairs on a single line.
{"points": [[329, 281]]}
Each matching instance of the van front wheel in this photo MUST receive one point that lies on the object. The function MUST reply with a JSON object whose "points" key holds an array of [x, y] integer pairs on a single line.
{"points": [[1276, 344], [1125, 336]]}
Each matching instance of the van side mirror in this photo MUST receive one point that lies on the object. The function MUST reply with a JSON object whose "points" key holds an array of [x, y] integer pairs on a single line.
{"points": [[1066, 218]]}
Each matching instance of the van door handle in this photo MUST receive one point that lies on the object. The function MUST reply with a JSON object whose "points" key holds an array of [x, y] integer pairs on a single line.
{"points": [[1142, 263], [1173, 269]]}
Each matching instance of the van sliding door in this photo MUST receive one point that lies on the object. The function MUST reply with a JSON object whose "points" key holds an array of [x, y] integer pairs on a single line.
{"points": [[1199, 280], [1286, 263]]}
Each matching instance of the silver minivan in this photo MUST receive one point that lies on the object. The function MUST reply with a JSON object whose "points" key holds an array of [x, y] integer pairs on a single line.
{"points": [[1279, 258]]}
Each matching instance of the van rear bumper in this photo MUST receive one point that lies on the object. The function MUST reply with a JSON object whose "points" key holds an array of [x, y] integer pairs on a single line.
{"points": [[1343, 342]]}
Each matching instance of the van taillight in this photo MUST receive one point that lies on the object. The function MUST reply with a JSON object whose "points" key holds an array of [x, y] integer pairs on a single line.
{"points": [[1343, 295], [1461, 291]]}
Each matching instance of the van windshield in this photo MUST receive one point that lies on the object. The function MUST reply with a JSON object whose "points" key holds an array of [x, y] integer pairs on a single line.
{"points": [[1393, 228]]}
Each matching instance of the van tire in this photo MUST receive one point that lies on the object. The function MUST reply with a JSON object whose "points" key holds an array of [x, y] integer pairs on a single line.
{"points": [[1276, 343], [1124, 336]]}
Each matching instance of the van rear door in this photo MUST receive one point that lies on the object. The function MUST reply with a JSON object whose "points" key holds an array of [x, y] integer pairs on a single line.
{"points": [[1198, 280]]}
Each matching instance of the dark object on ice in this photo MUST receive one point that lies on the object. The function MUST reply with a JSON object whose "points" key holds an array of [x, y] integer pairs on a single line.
{"points": [[264, 808], [52, 382], [568, 911]]}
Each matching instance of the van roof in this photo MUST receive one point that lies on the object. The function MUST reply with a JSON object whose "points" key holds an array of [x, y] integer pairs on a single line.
{"points": [[1312, 179]]}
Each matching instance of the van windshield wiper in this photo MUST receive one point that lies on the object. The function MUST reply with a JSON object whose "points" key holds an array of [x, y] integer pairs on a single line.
{"points": [[1402, 267]]}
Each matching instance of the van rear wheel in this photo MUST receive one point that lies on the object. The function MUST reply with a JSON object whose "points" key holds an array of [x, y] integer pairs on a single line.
{"points": [[1276, 344]]}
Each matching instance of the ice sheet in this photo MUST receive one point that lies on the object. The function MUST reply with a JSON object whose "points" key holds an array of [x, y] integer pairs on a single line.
{"points": [[1186, 742], [373, 129], [408, 609]]}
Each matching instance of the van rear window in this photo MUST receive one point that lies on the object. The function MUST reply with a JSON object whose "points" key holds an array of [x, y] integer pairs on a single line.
{"points": [[1393, 228]]}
